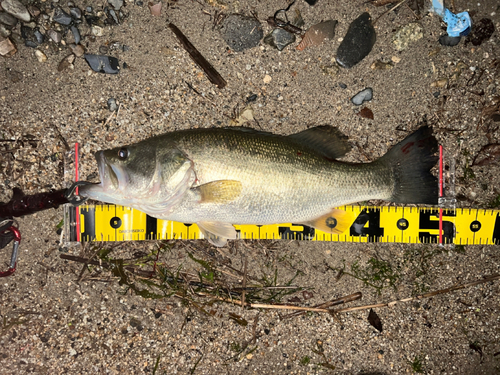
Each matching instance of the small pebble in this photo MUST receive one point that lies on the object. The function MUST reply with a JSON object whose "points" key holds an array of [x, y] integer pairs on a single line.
{"points": [[88, 9], [41, 57], [103, 64], [61, 17], [77, 49], [112, 106], [66, 63], [436, 94], [103, 50], [76, 34], [17, 9], [97, 30], [362, 96], [4, 31], [267, 78], [342, 85], [279, 39], [7, 48], [395, 59], [54, 35], [241, 32], [75, 13]]}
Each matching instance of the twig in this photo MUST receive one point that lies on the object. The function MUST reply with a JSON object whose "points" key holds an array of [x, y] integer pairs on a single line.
{"points": [[324, 305], [244, 285], [388, 11], [212, 74], [421, 296]]}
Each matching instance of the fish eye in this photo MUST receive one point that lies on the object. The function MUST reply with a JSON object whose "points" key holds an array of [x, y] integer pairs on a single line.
{"points": [[123, 154]]}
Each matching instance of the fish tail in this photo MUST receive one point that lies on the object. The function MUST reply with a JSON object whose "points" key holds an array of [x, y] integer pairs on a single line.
{"points": [[410, 162]]}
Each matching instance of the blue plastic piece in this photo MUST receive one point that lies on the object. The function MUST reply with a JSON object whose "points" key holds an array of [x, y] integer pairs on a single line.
{"points": [[458, 24]]}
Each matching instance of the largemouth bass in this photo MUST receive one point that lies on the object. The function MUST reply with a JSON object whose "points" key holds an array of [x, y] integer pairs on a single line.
{"points": [[224, 176]]}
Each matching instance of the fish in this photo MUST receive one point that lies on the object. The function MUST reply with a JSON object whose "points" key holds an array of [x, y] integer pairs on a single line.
{"points": [[219, 177]]}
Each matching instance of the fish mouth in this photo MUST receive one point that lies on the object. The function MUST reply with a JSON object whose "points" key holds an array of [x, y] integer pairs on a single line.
{"points": [[113, 179]]}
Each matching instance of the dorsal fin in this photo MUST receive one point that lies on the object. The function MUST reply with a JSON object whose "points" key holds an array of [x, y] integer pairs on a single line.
{"points": [[325, 140]]}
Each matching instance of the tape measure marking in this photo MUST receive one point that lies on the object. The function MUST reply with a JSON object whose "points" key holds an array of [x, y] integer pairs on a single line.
{"points": [[386, 224]]}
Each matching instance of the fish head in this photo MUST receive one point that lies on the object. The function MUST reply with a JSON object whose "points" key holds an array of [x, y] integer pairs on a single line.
{"points": [[144, 176]]}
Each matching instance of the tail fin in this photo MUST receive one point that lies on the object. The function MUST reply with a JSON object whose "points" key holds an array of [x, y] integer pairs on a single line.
{"points": [[411, 161]]}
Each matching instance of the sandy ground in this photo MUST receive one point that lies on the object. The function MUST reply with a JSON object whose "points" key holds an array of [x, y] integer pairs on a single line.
{"points": [[56, 319]]}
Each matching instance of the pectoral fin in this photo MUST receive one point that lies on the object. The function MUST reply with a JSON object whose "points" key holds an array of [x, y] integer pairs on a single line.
{"points": [[216, 232], [335, 222], [222, 191]]}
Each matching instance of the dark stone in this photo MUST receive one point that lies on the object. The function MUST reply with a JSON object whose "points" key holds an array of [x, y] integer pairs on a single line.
{"points": [[76, 34], [241, 32], [311, 2], [279, 38], [358, 42], [31, 36], [113, 15], [436, 94], [8, 20], [76, 13], [103, 64], [61, 17], [342, 85], [449, 41]]}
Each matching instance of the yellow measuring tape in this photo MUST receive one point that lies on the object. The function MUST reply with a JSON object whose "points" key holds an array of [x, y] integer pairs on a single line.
{"points": [[460, 226]]}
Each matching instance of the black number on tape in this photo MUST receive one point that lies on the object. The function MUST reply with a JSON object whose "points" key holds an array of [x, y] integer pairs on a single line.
{"points": [[306, 233], [373, 231], [429, 219], [496, 231]]}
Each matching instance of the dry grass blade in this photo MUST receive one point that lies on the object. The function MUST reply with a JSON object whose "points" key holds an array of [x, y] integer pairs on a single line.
{"points": [[421, 296]]}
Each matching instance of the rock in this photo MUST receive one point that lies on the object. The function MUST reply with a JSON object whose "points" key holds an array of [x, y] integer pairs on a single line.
{"points": [[241, 32], [407, 35], [440, 82], [66, 63], [357, 43], [61, 17], [112, 106], [449, 41], [76, 34], [279, 38], [117, 4], [8, 20], [362, 96], [113, 15], [77, 49], [17, 9], [380, 65], [317, 34], [54, 35], [31, 38], [103, 64], [267, 78], [41, 57], [76, 13], [7, 48], [311, 2], [97, 30], [4, 31], [33, 10]]}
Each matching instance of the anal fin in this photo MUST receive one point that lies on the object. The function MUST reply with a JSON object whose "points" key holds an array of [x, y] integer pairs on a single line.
{"points": [[335, 222], [217, 233]]}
